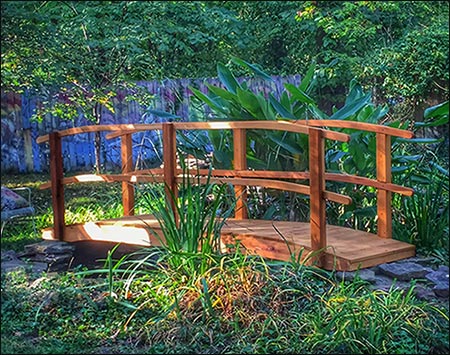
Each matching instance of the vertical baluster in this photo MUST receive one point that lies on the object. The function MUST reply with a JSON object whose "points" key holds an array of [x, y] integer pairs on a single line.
{"points": [[56, 175], [170, 164], [240, 163], [317, 188], [384, 198], [127, 166]]}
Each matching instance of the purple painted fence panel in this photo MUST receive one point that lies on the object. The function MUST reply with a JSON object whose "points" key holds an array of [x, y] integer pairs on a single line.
{"points": [[21, 153]]}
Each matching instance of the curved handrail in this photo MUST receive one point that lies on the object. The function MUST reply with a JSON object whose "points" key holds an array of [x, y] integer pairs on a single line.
{"points": [[123, 129], [362, 126]]}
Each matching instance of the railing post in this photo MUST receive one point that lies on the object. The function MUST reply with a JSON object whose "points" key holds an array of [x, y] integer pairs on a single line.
{"points": [[384, 198], [317, 188], [240, 163], [170, 164], [56, 176], [127, 166]]}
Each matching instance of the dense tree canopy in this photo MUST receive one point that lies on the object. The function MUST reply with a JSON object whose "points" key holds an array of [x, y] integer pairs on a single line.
{"points": [[397, 49]]}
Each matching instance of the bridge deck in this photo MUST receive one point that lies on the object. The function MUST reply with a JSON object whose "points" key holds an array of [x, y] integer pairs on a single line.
{"points": [[347, 249]]}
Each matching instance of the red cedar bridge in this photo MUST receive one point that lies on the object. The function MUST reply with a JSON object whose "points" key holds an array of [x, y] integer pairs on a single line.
{"points": [[326, 246]]}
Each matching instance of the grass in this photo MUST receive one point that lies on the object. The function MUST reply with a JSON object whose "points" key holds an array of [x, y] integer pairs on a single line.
{"points": [[235, 304]]}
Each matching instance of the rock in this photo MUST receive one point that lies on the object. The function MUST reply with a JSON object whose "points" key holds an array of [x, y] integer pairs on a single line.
{"points": [[49, 247], [364, 274], [8, 255], [438, 276], [404, 271], [424, 293], [441, 290], [13, 265]]}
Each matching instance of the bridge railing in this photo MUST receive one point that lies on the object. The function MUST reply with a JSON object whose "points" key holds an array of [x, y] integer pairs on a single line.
{"points": [[239, 176]]}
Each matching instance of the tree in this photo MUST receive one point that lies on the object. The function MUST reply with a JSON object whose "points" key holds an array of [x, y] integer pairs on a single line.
{"points": [[76, 55]]}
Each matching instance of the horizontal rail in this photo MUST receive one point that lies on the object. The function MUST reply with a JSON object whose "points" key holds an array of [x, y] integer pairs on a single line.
{"points": [[271, 184], [93, 128], [271, 174], [269, 125], [122, 129], [362, 126]]}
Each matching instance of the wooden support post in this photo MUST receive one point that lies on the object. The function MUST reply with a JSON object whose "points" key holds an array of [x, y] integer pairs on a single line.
{"points": [[384, 198], [240, 163], [170, 164], [317, 188], [56, 175], [127, 166]]}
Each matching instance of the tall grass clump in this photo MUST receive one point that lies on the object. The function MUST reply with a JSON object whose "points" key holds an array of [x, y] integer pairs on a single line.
{"points": [[191, 232]]}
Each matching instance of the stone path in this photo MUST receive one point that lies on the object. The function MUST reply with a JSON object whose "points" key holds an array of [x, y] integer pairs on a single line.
{"points": [[431, 281]]}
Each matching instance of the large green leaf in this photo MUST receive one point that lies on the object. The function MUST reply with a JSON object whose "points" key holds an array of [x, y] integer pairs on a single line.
{"points": [[227, 78], [282, 111], [306, 80], [209, 101], [253, 67], [226, 95], [350, 109], [249, 101], [290, 145], [437, 110], [298, 94], [267, 110]]}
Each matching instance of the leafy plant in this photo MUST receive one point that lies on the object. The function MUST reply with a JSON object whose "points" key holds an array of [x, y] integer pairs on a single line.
{"points": [[191, 232]]}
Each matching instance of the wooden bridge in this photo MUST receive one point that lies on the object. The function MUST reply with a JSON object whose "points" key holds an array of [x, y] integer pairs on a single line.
{"points": [[327, 246]]}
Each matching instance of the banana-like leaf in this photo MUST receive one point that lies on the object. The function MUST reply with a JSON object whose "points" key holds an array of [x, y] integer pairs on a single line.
{"points": [[306, 80], [349, 110], [421, 140], [227, 78], [266, 108], [209, 101], [226, 95], [298, 94], [291, 146], [283, 112], [249, 101], [437, 110], [253, 67]]}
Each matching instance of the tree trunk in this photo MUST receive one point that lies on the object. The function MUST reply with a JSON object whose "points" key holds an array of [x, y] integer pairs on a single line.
{"points": [[98, 139]]}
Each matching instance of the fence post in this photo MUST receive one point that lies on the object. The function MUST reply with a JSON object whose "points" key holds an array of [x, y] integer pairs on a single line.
{"points": [[317, 188], [56, 176], [170, 164], [240, 163], [127, 166], [384, 198]]}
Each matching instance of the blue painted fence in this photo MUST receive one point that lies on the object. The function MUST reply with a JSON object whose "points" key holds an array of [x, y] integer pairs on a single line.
{"points": [[20, 152]]}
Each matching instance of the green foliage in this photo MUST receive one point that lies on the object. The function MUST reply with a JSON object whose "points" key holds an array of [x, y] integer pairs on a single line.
{"points": [[397, 49], [191, 233], [256, 307]]}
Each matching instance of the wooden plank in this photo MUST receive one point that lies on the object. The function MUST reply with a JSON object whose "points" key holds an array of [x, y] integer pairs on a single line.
{"points": [[276, 184], [95, 128], [347, 249], [362, 126], [170, 164], [384, 197], [317, 187], [289, 126], [127, 167], [240, 163], [56, 176]]}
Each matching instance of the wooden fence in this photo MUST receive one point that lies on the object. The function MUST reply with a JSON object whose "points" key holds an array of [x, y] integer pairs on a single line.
{"points": [[21, 153]]}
